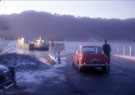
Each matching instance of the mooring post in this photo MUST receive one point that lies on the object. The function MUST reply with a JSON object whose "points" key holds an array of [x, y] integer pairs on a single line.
{"points": [[59, 59], [124, 52], [118, 50], [130, 50]]}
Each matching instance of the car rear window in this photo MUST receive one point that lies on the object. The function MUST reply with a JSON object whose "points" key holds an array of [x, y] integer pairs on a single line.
{"points": [[92, 50]]}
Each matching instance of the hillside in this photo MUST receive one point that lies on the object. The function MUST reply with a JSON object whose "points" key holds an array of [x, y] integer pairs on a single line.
{"points": [[32, 24]]}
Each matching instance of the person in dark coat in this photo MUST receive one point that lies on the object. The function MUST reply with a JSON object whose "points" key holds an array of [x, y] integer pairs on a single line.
{"points": [[107, 49]]}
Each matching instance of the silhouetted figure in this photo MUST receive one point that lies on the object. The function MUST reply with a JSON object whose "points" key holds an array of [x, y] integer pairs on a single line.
{"points": [[107, 49]]}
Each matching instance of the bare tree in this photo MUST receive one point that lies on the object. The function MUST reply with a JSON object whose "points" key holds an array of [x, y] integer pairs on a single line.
{"points": [[6, 47]]}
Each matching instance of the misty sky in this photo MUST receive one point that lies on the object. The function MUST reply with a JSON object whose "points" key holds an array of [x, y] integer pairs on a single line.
{"points": [[93, 9]]}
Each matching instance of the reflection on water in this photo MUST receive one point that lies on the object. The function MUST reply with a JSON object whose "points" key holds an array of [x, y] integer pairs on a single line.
{"points": [[37, 54], [10, 47]]}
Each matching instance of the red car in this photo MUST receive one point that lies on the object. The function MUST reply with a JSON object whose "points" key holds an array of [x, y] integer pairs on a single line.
{"points": [[90, 56]]}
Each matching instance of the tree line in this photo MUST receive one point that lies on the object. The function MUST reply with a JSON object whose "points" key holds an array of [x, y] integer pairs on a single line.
{"points": [[32, 24]]}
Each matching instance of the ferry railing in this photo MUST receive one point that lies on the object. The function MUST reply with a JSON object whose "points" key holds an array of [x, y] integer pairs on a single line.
{"points": [[55, 50]]}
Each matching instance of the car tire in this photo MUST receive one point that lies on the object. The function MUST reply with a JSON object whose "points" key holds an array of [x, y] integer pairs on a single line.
{"points": [[104, 68], [79, 68], [73, 64], [108, 67]]}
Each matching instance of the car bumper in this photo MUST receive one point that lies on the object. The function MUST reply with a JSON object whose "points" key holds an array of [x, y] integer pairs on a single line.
{"points": [[94, 65]]}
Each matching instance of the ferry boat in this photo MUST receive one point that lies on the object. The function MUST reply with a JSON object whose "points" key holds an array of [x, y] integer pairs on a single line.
{"points": [[39, 44]]}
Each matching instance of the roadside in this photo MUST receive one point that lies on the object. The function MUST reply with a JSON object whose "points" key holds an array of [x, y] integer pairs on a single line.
{"points": [[126, 57]]}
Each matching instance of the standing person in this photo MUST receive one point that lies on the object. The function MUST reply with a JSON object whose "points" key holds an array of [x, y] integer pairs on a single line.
{"points": [[107, 49]]}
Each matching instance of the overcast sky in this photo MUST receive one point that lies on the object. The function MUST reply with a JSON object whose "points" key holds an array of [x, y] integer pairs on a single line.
{"points": [[93, 9]]}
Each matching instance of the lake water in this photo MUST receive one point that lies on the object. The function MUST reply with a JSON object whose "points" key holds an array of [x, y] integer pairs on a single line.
{"points": [[117, 47]]}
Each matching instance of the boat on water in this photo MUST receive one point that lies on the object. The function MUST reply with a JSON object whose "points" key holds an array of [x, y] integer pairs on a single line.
{"points": [[39, 44]]}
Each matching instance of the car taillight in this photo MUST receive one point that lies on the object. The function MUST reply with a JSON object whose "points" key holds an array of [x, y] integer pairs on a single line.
{"points": [[84, 63]]}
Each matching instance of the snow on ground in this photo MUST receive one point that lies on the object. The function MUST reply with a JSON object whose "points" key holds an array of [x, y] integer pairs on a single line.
{"points": [[22, 62], [25, 78], [126, 57], [30, 71], [34, 77], [42, 59], [38, 75]]}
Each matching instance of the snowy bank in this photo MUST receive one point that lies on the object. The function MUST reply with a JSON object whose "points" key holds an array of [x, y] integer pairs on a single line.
{"points": [[51, 59], [30, 72], [22, 62], [126, 57]]}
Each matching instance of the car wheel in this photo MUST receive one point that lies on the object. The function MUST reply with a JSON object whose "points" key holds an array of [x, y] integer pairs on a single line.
{"points": [[73, 64], [108, 67], [79, 68], [104, 68]]}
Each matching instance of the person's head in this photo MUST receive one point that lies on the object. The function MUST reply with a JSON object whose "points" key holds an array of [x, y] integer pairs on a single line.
{"points": [[105, 41]]}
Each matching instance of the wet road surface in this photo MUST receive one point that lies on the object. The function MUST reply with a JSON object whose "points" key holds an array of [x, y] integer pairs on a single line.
{"points": [[67, 80]]}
